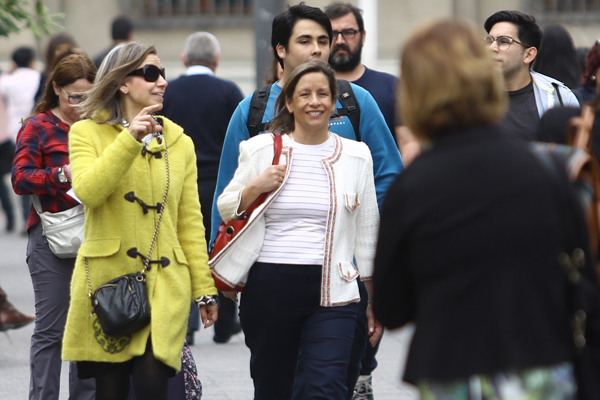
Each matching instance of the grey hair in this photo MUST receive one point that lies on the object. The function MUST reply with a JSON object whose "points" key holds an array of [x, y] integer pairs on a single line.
{"points": [[102, 103], [202, 48]]}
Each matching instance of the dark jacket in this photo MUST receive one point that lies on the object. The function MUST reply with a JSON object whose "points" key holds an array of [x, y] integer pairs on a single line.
{"points": [[203, 105], [468, 247]]}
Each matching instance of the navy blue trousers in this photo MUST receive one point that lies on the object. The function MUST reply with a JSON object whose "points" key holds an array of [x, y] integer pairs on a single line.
{"points": [[281, 316]]}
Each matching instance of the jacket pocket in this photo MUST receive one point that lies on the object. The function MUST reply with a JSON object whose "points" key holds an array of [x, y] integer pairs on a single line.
{"points": [[101, 247], [180, 255], [348, 271], [352, 201]]}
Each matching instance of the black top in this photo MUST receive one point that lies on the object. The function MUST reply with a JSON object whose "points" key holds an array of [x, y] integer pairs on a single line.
{"points": [[382, 87], [554, 124], [522, 118], [203, 105], [468, 247]]}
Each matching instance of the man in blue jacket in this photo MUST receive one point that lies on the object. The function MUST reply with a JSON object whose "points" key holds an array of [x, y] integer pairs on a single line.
{"points": [[299, 34]]}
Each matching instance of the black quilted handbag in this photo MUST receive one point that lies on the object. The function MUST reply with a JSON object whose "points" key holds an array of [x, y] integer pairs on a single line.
{"points": [[122, 305]]}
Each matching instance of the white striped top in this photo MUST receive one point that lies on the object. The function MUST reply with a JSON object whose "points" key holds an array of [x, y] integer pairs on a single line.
{"points": [[297, 218]]}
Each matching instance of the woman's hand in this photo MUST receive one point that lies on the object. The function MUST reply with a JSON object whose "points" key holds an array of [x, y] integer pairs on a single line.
{"points": [[144, 123], [269, 180], [231, 295], [209, 315], [67, 171], [374, 327]]}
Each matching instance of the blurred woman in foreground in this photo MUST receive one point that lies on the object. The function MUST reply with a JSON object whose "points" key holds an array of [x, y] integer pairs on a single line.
{"points": [[470, 236]]}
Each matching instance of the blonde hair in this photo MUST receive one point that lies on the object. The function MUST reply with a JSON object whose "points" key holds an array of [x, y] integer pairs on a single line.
{"points": [[448, 81], [102, 103]]}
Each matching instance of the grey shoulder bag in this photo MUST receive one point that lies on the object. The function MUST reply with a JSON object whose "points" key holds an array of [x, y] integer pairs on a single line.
{"points": [[63, 230]]}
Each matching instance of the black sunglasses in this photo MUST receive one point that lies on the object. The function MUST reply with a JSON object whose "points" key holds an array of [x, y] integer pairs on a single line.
{"points": [[150, 72]]}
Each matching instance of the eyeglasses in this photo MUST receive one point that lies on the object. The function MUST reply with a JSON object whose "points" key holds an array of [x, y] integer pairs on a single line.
{"points": [[504, 42], [73, 99], [149, 72], [346, 33]]}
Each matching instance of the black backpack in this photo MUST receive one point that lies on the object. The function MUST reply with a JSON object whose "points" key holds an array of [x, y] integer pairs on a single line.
{"points": [[350, 107]]}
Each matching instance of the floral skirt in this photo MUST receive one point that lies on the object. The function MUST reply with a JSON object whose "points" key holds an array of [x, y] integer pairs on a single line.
{"points": [[555, 382]]}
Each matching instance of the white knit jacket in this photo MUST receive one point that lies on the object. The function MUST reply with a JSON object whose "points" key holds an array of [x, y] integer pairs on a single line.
{"points": [[353, 218]]}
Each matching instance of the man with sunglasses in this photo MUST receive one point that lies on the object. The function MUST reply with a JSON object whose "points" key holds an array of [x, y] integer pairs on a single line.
{"points": [[349, 37], [514, 39]]}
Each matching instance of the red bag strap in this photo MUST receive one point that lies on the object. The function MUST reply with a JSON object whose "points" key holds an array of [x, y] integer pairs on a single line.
{"points": [[277, 145]]}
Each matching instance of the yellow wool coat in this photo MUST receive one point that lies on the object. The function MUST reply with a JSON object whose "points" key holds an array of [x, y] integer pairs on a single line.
{"points": [[106, 164]]}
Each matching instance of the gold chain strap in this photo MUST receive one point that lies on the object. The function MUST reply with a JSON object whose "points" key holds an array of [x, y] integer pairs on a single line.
{"points": [[146, 261]]}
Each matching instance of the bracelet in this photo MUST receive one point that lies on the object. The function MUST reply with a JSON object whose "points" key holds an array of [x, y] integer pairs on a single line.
{"points": [[210, 300], [369, 301]]}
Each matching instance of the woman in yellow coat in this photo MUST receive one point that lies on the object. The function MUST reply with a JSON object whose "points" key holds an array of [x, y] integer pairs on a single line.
{"points": [[119, 160]]}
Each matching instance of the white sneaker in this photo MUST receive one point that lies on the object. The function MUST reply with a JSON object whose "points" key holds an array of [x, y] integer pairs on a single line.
{"points": [[364, 388]]}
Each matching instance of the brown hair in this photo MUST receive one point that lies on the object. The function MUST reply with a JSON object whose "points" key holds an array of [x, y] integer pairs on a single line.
{"points": [[448, 80], [58, 40], [68, 70], [102, 103], [284, 121]]}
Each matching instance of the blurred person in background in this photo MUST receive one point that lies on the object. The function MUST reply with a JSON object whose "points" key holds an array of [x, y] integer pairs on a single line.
{"points": [[122, 31], [202, 104], [50, 61], [18, 87], [42, 167], [349, 37], [514, 39], [589, 81], [10, 317], [470, 236], [7, 152], [557, 57]]}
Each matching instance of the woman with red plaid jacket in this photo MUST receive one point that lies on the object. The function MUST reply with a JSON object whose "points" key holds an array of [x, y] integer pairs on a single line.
{"points": [[41, 167]]}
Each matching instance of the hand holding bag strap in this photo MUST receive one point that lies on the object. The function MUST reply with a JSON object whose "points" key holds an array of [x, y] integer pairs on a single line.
{"points": [[228, 231], [146, 260], [277, 146]]}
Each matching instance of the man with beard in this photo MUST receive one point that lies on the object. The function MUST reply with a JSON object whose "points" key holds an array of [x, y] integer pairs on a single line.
{"points": [[345, 58], [514, 39]]}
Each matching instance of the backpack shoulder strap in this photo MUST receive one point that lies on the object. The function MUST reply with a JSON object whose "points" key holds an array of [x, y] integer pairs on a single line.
{"points": [[349, 106], [258, 104], [556, 88]]}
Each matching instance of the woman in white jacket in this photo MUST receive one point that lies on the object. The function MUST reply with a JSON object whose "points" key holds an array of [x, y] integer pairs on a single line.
{"points": [[302, 291]]}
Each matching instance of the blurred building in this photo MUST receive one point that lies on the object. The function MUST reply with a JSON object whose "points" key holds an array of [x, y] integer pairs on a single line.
{"points": [[167, 23]]}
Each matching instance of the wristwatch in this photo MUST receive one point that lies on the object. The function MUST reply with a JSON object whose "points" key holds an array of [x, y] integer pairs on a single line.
{"points": [[62, 177]]}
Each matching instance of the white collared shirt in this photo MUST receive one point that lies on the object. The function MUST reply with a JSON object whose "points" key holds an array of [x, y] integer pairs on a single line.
{"points": [[199, 70]]}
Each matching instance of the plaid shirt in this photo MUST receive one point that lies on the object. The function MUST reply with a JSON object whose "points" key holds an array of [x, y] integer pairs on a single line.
{"points": [[42, 147]]}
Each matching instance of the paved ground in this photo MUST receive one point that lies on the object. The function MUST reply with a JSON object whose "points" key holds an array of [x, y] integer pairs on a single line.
{"points": [[223, 369]]}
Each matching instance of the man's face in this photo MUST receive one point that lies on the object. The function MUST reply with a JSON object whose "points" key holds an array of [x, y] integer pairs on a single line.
{"points": [[510, 61], [309, 41], [345, 53]]}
